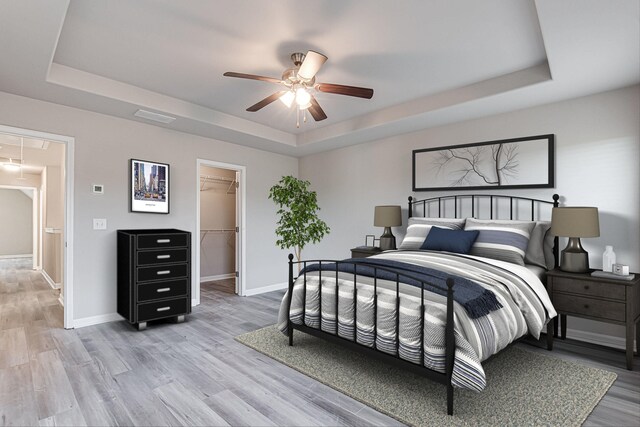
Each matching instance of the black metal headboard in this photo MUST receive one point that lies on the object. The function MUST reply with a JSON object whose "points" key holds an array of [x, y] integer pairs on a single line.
{"points": [[459, 199]]}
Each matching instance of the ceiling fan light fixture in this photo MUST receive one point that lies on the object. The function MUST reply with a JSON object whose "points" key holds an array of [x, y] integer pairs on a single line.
{"points": [[303, 98], [288, 98], [13, 167]]}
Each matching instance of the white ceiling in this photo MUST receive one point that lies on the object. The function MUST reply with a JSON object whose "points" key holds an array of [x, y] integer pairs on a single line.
{"points": [[429, 62]]}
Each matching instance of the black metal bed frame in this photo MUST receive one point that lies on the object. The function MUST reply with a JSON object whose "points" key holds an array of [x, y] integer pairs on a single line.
{"points": [[443, 378]]}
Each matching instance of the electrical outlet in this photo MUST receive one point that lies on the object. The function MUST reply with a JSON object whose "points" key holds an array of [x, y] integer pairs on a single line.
{"points": [[99, 223]]}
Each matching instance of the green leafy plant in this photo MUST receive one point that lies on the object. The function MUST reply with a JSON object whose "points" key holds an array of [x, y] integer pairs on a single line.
{"points": [[298, 211]]}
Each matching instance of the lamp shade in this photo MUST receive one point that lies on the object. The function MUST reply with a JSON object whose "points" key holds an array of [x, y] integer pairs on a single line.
{"points": [[387, 216], [575, 222]]}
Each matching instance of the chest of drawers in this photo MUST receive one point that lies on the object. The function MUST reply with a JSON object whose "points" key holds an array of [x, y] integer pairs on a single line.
{"points": [[154, 275]]}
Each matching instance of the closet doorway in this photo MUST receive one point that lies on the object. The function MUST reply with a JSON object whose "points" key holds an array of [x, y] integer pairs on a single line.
{"points": [[219, 248]]}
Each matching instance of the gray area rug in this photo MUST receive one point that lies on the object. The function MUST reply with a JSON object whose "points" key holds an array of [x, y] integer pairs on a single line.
{"points": [[523, 388]]}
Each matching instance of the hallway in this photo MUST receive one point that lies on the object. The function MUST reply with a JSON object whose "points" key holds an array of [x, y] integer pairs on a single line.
{"points": [[28, 305]]}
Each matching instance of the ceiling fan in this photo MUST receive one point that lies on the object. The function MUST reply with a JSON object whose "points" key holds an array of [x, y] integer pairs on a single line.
{"points": [[299, 82]]}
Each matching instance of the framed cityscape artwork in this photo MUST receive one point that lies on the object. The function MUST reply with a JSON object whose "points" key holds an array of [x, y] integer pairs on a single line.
{"points": [[526, 162], [149, 187]]}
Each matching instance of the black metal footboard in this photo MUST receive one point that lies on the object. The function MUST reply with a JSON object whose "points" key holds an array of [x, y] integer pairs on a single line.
{"points": [[443, 378]]}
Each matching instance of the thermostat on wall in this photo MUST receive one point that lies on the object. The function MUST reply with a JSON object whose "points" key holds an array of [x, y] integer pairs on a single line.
{"points": [[98, 188]]}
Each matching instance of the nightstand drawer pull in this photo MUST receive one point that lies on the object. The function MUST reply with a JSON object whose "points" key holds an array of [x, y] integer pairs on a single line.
{"points": [[586, 306], [163, 290], [163, 308], [586, 287], [163, 241], [163, 272], [163, 256]]}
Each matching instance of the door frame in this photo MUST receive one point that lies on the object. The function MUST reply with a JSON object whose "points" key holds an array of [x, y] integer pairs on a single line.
{"points": [[67, 234], [241, 203]]}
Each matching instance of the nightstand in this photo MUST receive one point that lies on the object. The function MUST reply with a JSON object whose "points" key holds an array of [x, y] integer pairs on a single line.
{"points": [[597, 298], [365, 251]]}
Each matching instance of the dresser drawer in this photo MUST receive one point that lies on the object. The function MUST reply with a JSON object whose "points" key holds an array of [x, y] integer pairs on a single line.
{"points": [[161, 309], [163, 289], [161, 272], [591, 307], [162, 256], [589, 288], [155, 241]]}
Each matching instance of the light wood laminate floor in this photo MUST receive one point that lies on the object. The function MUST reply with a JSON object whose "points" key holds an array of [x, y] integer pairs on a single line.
{"points": [[192, 373]]}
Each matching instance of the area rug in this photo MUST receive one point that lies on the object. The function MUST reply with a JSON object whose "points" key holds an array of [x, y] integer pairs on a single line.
{"points": [[524, 388]]}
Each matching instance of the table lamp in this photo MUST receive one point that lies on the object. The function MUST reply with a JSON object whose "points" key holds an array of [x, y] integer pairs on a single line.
{"points": [[574, 223], [387, 217]]}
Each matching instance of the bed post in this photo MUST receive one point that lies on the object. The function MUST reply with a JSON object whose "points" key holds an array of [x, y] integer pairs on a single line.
{"points": [[410, 206], [289, 324], [450, 346], [556, 241]]}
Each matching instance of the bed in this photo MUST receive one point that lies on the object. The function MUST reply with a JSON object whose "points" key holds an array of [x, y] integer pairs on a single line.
{"points": [[429, 306]]}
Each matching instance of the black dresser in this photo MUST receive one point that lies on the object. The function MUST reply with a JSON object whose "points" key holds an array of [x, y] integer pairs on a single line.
{"points": [[154, 275]]}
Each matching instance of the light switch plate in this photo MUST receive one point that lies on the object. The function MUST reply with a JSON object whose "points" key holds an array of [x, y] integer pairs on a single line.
{"points": [[99, 223]]}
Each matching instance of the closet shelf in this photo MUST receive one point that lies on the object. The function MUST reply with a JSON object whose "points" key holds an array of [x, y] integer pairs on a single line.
{"points": [[213, 179]]}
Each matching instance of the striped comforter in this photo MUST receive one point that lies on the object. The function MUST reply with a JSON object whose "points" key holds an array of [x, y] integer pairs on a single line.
{"points": [[525, 308]]}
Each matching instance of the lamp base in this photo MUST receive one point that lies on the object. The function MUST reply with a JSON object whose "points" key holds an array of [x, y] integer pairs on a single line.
{"points": [[387, 240], [574, 259]]}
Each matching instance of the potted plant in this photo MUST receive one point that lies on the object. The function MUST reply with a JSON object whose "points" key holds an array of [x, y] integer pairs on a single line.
{"points": [[298, 211]]}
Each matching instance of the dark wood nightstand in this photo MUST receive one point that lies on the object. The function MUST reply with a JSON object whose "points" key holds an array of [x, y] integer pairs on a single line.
{"points": [[597, 298], [365, 251]]}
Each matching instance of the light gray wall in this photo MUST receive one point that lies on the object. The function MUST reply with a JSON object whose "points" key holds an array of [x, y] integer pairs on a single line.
{"points": [[16, 223], [217, 212], [103, 147], [597, 164]]}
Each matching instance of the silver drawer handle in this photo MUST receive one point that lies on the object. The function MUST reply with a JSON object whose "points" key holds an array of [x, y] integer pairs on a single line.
{"points": [[163, 272], [164, 240], [163, 290], [163, 308], [163, 257]]}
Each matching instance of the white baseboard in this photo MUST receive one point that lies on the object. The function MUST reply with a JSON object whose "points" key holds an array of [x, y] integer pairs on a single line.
{"points": [[218, 277], [49, 280], [16, 256], [96, 320], [265, 289]]}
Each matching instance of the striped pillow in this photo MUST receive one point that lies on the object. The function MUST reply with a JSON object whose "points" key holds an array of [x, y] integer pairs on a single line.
{"points": [[419, 228], [501, 240]]}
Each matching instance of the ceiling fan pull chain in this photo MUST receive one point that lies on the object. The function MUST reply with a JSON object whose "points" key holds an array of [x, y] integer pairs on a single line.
{"points": [[298, 117], [304, 116]]}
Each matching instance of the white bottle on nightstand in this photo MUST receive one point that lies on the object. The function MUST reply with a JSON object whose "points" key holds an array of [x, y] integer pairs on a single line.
{"points": [[608, 259]]}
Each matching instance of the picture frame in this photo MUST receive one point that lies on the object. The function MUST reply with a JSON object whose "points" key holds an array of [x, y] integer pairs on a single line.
{"points": [[526, 162], [148, 186]]}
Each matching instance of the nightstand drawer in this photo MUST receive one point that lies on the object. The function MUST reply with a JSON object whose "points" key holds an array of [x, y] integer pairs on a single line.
{"points": [[589, 307], [590, 288]]}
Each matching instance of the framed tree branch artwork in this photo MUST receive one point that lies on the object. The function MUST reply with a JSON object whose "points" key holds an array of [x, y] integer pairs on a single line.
{"points": [[526, 162]]}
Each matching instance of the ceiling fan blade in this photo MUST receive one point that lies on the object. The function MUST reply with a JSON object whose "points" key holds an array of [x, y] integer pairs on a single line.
{"points": [[268, 100], [252, 77], [360, 92], [311, 64], [315, 110]]}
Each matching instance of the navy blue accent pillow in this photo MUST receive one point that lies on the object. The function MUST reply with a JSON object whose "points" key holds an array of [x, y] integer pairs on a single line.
{"points": [[442, 239]]}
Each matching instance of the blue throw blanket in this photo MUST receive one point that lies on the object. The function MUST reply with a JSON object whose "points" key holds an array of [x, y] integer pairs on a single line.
{"points": [[475, 299]]}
